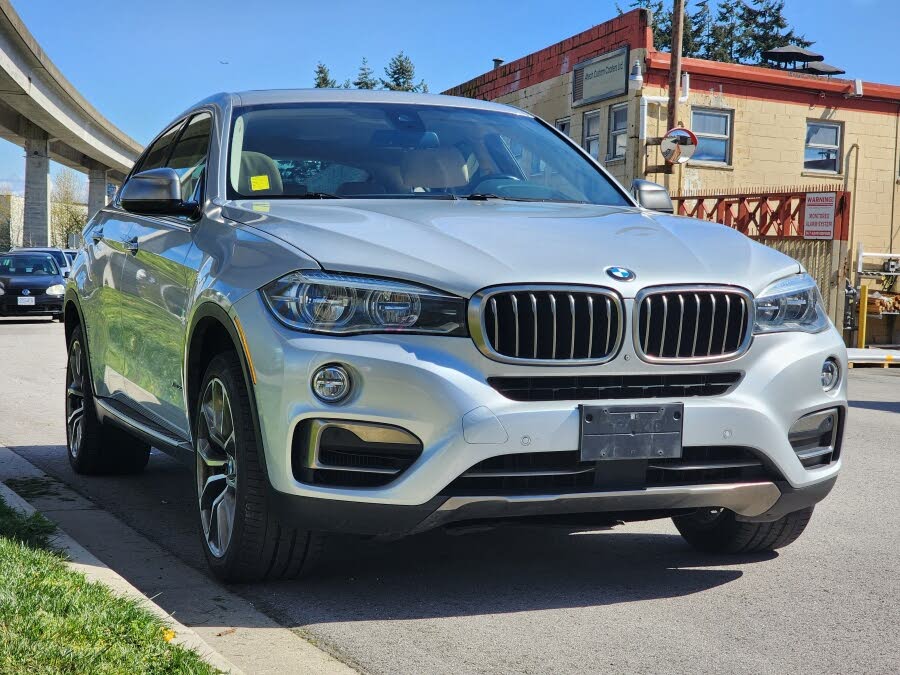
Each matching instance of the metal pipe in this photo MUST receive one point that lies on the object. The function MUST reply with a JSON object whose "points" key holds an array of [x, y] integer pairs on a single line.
{"points": [[645, 100]]}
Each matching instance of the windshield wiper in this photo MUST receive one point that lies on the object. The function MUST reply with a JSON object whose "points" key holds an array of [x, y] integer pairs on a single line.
{"points": [[483, 196], [315, 195]]}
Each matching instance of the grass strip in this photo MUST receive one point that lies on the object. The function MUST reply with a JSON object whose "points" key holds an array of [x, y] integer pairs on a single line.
{"points": [[53, 620]]}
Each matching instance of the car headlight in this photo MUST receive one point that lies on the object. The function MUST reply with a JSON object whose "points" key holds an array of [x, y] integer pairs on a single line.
{"points": [[343, 304], [56, 289], [792, 304]]}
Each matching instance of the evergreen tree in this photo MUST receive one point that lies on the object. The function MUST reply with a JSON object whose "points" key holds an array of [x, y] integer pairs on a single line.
{"points": [[323, 77], [726, 33], [701, 29], [365, 78], [764, 27], [400, 74]]}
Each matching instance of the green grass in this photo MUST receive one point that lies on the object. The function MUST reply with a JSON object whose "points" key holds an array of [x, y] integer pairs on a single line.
{"points": [[52, 620]]}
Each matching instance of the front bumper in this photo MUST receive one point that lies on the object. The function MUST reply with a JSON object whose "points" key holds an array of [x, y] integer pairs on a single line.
{"points": [[436, 388], [43, 305]]}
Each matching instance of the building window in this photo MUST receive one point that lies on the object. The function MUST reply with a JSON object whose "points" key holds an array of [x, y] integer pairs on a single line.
{"points": [[591, 141], [713, 130], [823, 147], [564, 125], [618, 131]]}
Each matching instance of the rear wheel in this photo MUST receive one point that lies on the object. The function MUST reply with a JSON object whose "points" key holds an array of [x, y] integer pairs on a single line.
{"points": [[242, 538], [719, 531], [94, 448]]}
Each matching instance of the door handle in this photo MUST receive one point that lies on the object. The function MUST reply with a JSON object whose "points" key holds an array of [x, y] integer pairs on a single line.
{"points": [[131, 245], [97, 235]]}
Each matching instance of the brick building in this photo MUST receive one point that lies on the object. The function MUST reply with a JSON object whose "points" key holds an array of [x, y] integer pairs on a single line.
{"points": [[766, 138]]}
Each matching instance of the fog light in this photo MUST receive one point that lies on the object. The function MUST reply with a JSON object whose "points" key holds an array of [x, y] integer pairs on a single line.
{"points": [[831, 374], [331, 384]]}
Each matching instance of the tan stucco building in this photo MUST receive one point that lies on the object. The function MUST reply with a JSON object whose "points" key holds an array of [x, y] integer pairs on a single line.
{"points": [[760, 131]]}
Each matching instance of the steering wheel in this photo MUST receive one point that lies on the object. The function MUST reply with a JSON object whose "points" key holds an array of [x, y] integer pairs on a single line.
{"points": [[491, 178]]}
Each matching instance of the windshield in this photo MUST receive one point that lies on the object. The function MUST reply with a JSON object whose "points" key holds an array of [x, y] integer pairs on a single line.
{"points": [[58, 256], [38, 265], [378, 150]]}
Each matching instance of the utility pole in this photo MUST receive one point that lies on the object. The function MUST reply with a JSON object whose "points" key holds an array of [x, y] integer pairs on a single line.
{"points": [[675, 64]]}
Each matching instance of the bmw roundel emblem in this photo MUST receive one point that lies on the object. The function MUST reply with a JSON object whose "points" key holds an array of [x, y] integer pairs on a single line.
{"points": [[620, 273], [25, 291]]}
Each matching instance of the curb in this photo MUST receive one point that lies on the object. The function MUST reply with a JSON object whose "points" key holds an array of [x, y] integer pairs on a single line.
{"points": [[94, 569]]}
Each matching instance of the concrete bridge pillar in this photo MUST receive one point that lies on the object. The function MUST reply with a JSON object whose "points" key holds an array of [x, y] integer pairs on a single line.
{"points": [[36, 220], [97, 180]]}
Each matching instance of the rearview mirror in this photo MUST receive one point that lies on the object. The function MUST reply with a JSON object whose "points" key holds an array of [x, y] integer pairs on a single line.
{"points": [[157, 191], [652, 196]]}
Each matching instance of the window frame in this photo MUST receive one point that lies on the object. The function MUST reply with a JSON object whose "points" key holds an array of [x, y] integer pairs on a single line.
{"points": [[181, 124], [612, 134], [567, 120], [839, 160], [584, 131], [728, 137]]}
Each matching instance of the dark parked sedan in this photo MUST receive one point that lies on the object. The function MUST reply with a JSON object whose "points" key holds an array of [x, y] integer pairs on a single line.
{"points": [[30, 284]]}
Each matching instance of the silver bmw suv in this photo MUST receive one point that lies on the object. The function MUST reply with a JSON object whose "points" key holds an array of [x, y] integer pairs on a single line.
{"points": [[380, 313]]}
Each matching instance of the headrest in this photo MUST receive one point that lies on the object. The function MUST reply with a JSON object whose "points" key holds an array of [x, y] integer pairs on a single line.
{"points": [[259, 175], [434, 168]]}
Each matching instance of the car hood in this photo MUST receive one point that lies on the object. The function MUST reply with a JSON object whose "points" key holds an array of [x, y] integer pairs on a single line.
{"points": [[30, 281], [463, 246]]}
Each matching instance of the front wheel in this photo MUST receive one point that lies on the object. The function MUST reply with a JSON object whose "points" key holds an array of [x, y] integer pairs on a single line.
{"points": [[719, 531], [242, 538]]}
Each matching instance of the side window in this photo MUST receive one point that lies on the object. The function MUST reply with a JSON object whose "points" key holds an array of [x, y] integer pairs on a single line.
{"points": [[564, 125], [618, 131], [591, 134], [713, 129], [822, 151], [188, 157], [158, 153]]}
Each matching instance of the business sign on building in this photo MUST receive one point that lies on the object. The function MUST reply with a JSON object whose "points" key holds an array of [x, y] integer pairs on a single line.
{"points": [[600, 78], [818, 215]]}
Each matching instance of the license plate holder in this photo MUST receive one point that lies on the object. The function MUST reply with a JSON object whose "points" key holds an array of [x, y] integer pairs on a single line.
{"points": [[26, 300], [611, 432]]}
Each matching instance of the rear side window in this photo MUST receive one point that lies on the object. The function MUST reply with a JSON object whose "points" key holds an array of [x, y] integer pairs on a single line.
{"points": [[188, 157], [159, 152]]}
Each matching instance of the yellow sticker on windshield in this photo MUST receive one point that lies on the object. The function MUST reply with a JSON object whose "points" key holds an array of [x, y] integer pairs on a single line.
{"points": [[259, 183]]}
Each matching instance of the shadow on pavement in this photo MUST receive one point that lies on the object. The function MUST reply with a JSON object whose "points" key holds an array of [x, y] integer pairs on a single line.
{"points": [[435, 574], [883, 406]]}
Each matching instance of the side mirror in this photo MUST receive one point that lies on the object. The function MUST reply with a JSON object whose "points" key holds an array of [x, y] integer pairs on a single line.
{"points": [[652, 196], [157, 191]]}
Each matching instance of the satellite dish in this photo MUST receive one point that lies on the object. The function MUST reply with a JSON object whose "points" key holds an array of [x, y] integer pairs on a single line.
{"points": [[678, 145]]}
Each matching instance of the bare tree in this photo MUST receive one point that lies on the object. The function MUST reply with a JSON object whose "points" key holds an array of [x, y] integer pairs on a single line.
{"points": [[68, 213]]}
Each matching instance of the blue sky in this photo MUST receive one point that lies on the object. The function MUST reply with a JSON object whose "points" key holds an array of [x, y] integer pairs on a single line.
{"points": [[140, 62]]}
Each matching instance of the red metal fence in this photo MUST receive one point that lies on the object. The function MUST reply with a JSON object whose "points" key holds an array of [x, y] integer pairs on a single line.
{"points": [[765, 212]]}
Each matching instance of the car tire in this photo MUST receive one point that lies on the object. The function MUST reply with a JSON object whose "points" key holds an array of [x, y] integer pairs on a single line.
{"points": [[719, 531], [242, 538], [92, 447]]}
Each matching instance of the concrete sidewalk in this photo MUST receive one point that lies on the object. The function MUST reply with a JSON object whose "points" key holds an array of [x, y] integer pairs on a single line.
{"points": [[222, 626]]}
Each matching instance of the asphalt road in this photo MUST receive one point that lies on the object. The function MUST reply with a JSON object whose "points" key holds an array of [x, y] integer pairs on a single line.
{"points": [[530, 600]]}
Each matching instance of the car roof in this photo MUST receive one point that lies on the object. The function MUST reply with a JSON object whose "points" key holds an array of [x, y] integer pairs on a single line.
{"points": [[275, 96], [29, 251], [37, 248]]}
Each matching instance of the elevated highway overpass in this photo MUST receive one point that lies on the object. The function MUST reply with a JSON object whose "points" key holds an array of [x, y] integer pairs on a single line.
{"points": [[41, 111]]}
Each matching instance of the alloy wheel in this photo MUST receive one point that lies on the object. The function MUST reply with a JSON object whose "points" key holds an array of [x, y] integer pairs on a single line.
{"points": [[75, 398], [216, 467]]}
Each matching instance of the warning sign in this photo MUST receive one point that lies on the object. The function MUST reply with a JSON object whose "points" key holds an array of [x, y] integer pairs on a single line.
{"points": [[818, 219]]}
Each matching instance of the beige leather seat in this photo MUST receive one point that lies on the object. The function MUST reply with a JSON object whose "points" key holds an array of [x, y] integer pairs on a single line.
{"points": [[255, 165], [434, 168]]}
